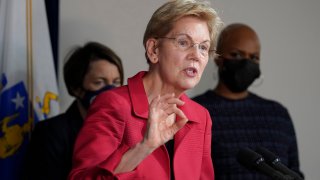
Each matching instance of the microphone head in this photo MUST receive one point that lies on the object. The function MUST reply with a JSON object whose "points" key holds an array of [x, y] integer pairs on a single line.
{"points": [[249, 158], [268, 155], [275, 162]]}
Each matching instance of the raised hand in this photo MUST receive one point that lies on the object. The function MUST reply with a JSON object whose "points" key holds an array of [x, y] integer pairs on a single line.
{"points": [[162, 124], [161, 127]]}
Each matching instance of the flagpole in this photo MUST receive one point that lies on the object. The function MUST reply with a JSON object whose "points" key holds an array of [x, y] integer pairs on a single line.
{"points": [[29, 61]]}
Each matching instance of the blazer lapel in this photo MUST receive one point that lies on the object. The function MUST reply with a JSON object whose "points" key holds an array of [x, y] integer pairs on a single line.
{"points": [[140, 104], [188, 143], [189, 112]]}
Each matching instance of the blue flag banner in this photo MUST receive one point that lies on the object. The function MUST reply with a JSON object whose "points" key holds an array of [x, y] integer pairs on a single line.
{"points": [[28, 86]]}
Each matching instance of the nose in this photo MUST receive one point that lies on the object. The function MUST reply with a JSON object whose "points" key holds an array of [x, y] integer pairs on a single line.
{"points": [[195, 50], [246, 56], [250, 55], [195, 53], [195, 45]]}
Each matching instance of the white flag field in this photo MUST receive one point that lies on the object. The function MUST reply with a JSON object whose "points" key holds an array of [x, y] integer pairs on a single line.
{"points": [[28, 86]]}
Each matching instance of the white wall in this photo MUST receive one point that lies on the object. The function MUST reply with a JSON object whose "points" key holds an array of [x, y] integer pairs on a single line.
{"points": [[289, 31]]}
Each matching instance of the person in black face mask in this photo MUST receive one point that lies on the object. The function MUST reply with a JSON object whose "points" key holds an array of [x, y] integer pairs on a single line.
{"points": [[240, 117], [88, 71], [238, 75]]}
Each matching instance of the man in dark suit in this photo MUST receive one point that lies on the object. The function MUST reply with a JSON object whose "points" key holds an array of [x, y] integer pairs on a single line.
{"points": [[241, 118]]}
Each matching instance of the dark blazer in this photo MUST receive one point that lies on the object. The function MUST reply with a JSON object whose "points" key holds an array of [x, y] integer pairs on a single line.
{"points": [[49, 154]]}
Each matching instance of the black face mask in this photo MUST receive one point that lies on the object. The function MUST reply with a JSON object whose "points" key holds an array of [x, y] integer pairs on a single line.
{"points": [[238, 75], [89, 96]]}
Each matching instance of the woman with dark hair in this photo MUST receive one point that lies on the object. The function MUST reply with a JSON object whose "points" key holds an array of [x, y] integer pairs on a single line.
{"points": [[88, 71]]}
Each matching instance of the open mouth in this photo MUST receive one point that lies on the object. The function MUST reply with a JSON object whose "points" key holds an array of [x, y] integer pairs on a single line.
{"points": [[191, 71]]}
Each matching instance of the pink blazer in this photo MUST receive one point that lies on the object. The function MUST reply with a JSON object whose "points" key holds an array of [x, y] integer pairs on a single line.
{"points": [[117, 121]]}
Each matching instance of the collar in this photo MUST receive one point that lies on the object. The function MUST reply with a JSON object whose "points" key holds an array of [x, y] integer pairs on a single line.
{"points": [[140, 104], [138, 95]]}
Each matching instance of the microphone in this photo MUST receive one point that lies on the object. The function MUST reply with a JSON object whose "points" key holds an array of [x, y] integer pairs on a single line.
{"points": [[255, 161], [275, 162]]}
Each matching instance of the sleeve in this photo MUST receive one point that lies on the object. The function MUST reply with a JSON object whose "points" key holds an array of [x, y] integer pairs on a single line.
{"points": [[293, 154], [98, 148], [43, 159], [207, 171]]}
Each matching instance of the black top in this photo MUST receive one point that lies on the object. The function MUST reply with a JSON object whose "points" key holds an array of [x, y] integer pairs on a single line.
{"points": [[170, 149], [49, 154], [249, 122]]}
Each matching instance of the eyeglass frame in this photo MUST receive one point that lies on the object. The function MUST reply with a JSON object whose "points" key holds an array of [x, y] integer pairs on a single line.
{"points": [[193, 44]]}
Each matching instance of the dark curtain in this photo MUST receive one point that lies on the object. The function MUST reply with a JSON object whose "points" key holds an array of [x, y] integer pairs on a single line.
{"points": [[52, 7]]}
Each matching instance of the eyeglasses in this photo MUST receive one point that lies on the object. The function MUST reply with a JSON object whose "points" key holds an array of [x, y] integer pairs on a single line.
{"points": [[184, 42]]}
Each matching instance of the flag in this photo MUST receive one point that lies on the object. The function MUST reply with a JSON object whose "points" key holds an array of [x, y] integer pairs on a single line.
{"points": [[28, 86]]}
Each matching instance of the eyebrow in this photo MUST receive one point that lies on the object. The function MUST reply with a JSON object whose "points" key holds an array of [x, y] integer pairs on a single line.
{"points": [[208, 40], [256, 54], [242, 51], [100, 78]]}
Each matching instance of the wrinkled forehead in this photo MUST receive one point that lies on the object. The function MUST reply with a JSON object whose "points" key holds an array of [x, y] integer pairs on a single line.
{"points": [[194, 27]]}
